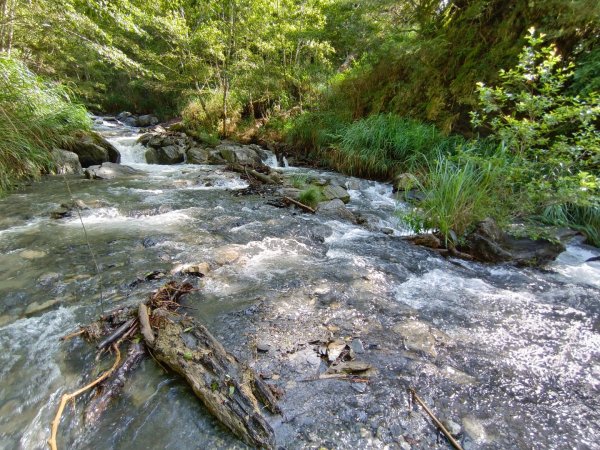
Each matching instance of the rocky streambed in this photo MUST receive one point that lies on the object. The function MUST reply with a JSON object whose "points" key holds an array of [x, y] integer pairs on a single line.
{"points": [[507, 357]]}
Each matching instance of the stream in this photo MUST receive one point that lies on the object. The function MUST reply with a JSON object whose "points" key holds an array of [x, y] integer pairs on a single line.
{"points": [[511, 355]]}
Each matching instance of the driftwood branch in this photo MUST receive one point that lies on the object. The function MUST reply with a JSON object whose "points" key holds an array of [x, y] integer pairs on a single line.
{"points": [[118, 333], [299, 205], [437, 423], [230, 390], [145, 327]]}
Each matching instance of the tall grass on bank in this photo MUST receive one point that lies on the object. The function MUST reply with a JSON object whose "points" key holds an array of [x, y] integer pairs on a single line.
{"points": [[456, 195], [314, 132], [34, 118], [583, 218], [381, 145]]}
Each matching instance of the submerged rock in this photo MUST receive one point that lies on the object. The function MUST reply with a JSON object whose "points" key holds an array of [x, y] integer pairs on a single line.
{"points": [[421, 337], [335, 209], [488, 243], [109, 171]]}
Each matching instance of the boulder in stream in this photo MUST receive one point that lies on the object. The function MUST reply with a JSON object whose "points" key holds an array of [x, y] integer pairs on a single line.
{"points": [[66, 162], [169, 154], [333, 191], [197, 155], [109, 171], [92, 149], [245, 155], [132, 120], [488, 243]]}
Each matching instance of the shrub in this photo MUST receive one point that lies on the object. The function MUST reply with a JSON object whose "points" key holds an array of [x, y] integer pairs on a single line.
{"points": [[35, 117], [553, 136], [531, 114]]}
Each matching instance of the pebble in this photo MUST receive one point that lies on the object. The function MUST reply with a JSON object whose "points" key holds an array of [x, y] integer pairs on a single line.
{"points": [[361, 388], [453, 428], [263, 346], [357, 346]]}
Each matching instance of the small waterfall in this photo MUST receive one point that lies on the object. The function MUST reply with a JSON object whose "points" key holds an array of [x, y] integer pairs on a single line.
{"points": [[131, 151], [270, 159]]}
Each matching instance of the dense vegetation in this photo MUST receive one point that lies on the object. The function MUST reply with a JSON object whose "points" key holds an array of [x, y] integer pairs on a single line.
{"points": [[490, 118], [35, 117]]}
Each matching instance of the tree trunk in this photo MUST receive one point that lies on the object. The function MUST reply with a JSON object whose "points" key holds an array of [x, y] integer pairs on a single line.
{"points": [[11, 26], [3, 22]]}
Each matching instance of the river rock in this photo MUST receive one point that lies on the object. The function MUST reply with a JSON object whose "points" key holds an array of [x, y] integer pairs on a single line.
{"points": [[199, 270], [126, 118], [147, 120], [109, 171], [66, 162], [290, 192], [197, 155], [335, 191], [92, 149], [226, 255], [240, 154], [426, 240], [170, 154], [335, 209], [488, 243]]}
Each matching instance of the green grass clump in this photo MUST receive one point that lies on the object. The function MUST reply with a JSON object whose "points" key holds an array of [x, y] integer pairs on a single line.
{"points": [[583, 218], [299, 181], [35, 117], [311, 196], [456, 196], [381, 145]]}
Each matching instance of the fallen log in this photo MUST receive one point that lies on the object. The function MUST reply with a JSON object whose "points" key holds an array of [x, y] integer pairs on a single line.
{"points": [[250, 172], [229, 390]]}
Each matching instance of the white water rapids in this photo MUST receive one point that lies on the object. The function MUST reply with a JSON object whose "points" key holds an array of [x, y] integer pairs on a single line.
{"points": [[517, 365]]}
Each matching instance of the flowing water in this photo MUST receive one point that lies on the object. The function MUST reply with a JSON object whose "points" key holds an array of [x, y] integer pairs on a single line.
{"points": [[515, 362]]}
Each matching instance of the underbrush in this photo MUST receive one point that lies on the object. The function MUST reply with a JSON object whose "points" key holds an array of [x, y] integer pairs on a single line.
{"points": [[35, 117]]}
